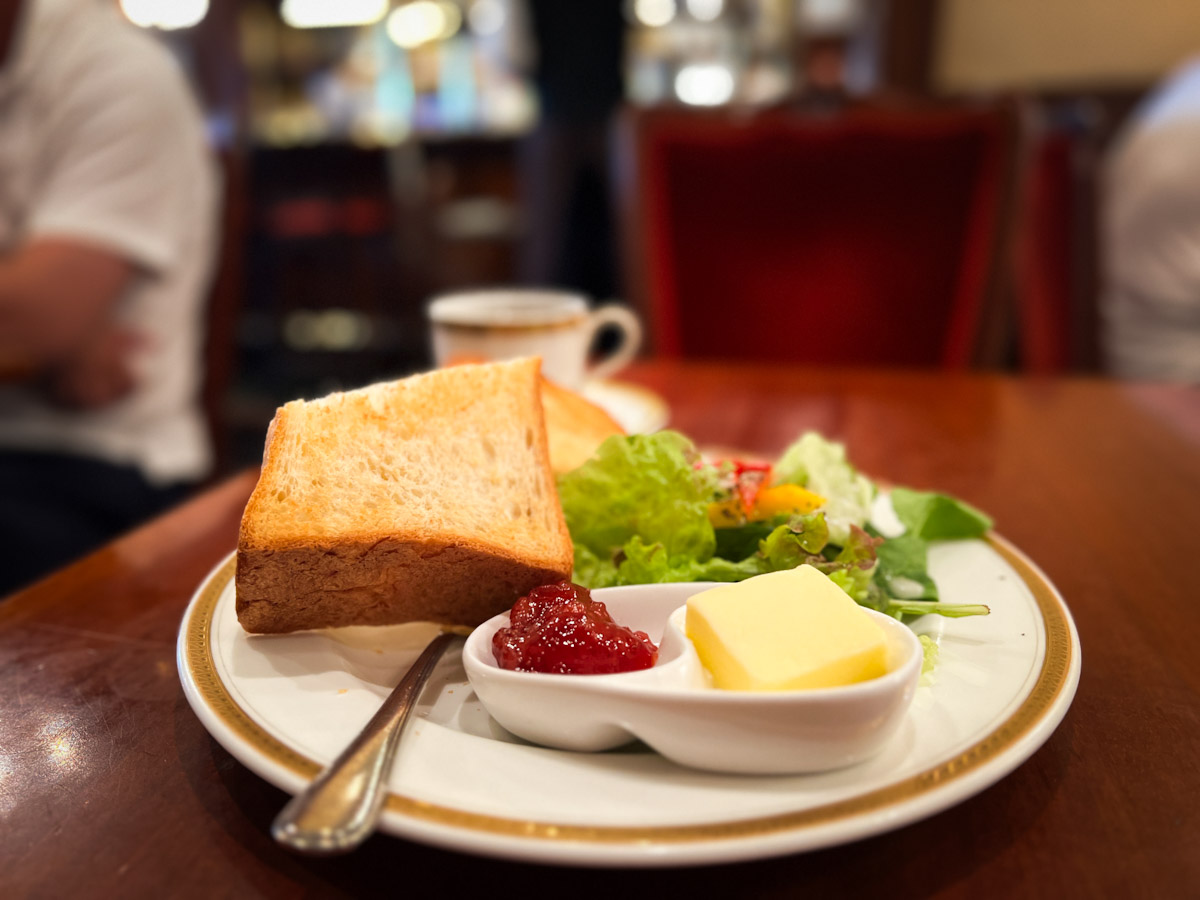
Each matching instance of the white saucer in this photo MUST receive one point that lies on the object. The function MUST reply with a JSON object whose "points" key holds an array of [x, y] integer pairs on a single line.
{"points": [[637, 409]]}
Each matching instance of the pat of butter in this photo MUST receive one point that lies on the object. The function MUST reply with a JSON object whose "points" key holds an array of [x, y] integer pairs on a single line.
{"points": [[784, 631]]}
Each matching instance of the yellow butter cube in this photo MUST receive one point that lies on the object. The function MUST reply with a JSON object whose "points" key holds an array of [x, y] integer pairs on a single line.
{"points": [[784, 631]]}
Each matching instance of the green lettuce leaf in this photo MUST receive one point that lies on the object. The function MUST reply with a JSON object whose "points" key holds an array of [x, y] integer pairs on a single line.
{"points": [[938, 517], [593, 572], [902, 585], [821, 466], [643, 563], [787, 546], [792, 543], [903, 570], [739, 541], [638, 514], [644, 486], [901, 608]]}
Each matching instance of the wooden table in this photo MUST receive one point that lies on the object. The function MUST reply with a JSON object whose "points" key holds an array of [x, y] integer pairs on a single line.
{"points": [[110, 786]]}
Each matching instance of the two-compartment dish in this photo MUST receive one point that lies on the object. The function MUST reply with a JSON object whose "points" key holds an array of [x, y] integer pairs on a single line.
{"points": [[673, 709]]}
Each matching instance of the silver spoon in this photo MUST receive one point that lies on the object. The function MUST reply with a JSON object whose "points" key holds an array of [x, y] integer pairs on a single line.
{"points": [[341, 807]]}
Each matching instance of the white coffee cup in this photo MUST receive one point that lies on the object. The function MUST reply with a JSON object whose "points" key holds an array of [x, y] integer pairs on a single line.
{"points": [[490, 325]]}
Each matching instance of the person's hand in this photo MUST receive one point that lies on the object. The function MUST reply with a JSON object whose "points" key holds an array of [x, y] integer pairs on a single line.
{"points": [[100, 374]]}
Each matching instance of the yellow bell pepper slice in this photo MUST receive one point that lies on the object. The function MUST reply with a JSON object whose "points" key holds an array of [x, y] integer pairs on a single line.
{"points": [[726, 514], [784, 500], [781, 500]]}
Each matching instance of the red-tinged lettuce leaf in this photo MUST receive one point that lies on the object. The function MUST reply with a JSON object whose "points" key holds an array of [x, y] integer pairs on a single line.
{"points": [[853, 566]]}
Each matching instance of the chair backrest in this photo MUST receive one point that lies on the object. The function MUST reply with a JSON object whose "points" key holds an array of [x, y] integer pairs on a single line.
{"points": [[1043, 260], [1054, 249], [866, 236]]}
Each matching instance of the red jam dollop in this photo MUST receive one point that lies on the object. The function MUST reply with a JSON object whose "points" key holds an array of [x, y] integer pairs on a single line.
{"points": [[559, 628]]}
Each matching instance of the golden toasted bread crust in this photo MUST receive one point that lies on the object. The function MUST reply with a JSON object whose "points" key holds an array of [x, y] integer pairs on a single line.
{"points": [[345, 528], [378, 583], [575, 426]]}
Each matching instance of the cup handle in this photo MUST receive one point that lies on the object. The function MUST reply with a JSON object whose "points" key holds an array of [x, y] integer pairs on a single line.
{"points": [[631, 338]]}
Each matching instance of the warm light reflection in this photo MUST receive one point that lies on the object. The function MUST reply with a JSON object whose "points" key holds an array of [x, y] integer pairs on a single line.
{"points": [[332, 13], [414, 24], [654, 13], [61, 750], [704, 84], [705, 10], [10, 788], [167, 15], [60, 741]]}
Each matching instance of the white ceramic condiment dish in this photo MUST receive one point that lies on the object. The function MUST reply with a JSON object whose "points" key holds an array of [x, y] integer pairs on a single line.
{"points": [[672, 708]]}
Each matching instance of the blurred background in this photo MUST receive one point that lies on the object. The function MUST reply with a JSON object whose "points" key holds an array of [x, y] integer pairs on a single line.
{"points": [[378, 152]]}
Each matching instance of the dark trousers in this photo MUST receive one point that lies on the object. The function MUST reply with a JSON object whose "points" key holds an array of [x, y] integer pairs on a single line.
{"points": [[55, 508]]}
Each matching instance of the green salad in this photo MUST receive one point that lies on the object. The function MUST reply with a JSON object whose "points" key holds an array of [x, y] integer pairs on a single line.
{"points": [[649, 508]]}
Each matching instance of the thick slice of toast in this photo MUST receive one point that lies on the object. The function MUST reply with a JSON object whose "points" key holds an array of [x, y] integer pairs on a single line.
{"points": [[425, 499], [575, 426]]}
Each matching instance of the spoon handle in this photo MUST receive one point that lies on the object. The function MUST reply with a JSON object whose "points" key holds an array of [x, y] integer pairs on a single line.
{"points": [[339, 810]]}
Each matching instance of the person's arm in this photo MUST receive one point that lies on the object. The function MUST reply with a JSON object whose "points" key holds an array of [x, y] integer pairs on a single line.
{"points": [[57, 298], [55, 294], [105, 214]]}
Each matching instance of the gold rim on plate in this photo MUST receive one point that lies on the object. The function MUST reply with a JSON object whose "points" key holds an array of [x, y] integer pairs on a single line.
{"points": [[1051, 680]]}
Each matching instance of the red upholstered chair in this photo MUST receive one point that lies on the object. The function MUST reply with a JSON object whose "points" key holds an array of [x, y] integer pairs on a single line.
{"points": [[868, 236], [1043, 258], [1053, 253]]}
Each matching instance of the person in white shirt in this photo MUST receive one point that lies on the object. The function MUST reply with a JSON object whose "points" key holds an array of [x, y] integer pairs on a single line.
{"points": [[1151, 237], [108, 210]]}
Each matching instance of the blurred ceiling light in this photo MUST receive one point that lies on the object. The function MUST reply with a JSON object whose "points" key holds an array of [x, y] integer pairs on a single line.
{"points": [[828, 16], [654, 13], [422, 21], [332, 13], [486, 16], [704, 84], [705, 10], [167, 15]]}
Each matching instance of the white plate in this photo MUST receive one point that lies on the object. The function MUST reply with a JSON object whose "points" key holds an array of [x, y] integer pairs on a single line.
{"points": [[285, 706], [637, 409]]}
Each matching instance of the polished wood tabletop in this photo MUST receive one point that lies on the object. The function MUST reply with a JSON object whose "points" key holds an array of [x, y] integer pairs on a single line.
{"points": [[110, 786]]}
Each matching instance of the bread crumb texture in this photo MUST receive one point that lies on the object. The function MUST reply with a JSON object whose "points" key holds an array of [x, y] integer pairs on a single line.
{"points": [[369, 499]]}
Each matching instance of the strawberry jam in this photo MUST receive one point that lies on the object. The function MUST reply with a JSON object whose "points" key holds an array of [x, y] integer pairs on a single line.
{"points": [[559, 628]]}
